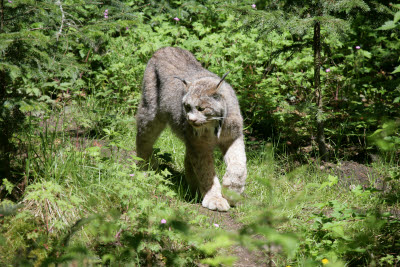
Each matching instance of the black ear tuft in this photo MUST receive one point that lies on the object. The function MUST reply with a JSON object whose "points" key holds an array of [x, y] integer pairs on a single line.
{"points": [[222, 79]]}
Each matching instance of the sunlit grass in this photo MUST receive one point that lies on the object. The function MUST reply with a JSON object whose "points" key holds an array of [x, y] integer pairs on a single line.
{"points": [[73, 175]]}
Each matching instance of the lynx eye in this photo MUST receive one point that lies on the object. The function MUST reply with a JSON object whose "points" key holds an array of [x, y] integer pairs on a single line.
{"points": [[187, 107], [216, 96], [200, 108]]}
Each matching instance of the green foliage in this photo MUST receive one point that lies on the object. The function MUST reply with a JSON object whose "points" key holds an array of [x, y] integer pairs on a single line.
{"points": [[350, 83], [345, 232], [70, 79], [271, 61], [126, 207], [387, 138]]}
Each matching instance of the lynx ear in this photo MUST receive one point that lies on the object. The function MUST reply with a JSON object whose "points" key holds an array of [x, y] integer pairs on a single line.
{"points": [[186, 83], [220, 82]]}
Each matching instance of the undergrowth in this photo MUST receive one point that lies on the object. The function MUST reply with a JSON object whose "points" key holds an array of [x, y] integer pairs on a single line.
{"points": [[86, 202]]}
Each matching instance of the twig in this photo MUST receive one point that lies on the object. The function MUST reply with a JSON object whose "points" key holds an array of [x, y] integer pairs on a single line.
{"points": [[62, 18], [87, 57], [43, 28]]}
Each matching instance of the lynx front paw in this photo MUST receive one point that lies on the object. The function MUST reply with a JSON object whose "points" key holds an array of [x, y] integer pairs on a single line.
{"points": [[215, 203]]}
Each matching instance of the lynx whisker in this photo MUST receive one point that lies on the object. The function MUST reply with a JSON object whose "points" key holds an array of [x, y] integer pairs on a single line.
{"points": [[215, 118]]}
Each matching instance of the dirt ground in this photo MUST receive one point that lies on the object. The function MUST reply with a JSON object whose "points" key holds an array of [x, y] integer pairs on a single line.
{"points": [[351, 174], [244, 256]]}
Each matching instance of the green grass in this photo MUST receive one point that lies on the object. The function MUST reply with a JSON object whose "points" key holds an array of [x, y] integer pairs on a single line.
{"points": [[86, 201]]}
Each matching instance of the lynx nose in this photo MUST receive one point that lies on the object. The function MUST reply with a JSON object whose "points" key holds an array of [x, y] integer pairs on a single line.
{"points": [[191, 117]]}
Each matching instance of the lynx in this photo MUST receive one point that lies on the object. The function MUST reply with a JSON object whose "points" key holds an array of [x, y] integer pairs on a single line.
{"points": [[203, 111]]}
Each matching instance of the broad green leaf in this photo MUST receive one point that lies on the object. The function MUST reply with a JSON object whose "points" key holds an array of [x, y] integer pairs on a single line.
{"points": [[396, 70], [397, 17], [389, 25]]}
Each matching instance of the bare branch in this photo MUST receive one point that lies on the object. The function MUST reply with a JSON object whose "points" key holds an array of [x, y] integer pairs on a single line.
{"points": [[62, 18]]}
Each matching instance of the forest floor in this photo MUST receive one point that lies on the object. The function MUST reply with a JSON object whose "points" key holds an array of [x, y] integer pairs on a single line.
{"points": [[245, 257], [226, 220], [349, 173], [306, 205]]}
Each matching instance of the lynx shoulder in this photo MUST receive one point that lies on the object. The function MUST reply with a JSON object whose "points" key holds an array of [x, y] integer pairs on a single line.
{"points": [[203, 111]]}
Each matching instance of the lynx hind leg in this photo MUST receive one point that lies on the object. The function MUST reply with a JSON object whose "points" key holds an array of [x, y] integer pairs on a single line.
{"points": [[149, 125], [236, 171], [199, 166], [148, 130]]}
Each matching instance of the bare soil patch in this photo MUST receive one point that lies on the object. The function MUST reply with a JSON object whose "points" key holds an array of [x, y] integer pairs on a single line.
{"points": [[352, 174], [245, 257]]}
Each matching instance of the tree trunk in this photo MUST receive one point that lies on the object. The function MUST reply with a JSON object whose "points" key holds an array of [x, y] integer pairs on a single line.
{"points": [[320, 138], [4, 142]]}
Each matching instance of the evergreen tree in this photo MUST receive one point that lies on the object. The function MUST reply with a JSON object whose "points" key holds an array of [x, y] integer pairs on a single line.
{"points": [[44, 51], [299, 18]]}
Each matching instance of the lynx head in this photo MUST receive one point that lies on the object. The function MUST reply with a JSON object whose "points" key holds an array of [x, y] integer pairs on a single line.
{"points": [[203, 104]]}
